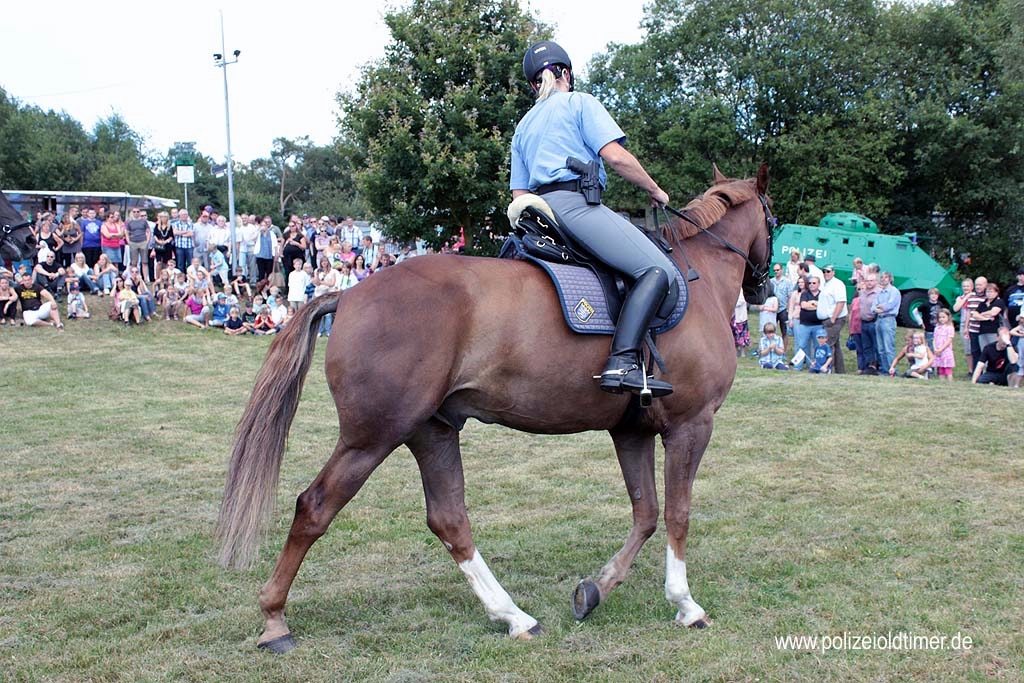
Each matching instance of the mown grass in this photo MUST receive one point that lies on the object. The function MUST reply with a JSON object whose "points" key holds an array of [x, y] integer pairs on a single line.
{"points": [[824, 505]]}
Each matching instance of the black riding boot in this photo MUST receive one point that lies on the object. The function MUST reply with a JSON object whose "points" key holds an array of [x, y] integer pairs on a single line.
{"points": [[624, 371]]}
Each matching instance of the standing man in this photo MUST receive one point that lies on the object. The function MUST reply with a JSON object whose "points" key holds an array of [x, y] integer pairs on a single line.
{"points": [[807, 333], [184, 239], [139, 234], [348, 232], [90, 237], [976, 299], [887, 305], [832, 312], [812, 267], [782, 287], [868, 349], [201, 230], [1015, 297], [247, 247]]}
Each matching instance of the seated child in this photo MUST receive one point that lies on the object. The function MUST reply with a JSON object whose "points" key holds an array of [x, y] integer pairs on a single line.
{"points": [[263, 324], [128, 304], [907, 345], [234, 325], [240, 284], [221, 311], [771, 349], [248, 316], [920, 357], [76, 302], [822, 363]]}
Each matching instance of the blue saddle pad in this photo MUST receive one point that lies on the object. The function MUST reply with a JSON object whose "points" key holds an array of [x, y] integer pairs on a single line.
{"points": [[583, 298]]}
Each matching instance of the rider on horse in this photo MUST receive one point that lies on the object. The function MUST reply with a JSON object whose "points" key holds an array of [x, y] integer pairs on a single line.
{"points": [[563, 129]]}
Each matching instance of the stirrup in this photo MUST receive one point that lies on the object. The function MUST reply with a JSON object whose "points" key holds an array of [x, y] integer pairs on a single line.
{"points": [[633, 377]]}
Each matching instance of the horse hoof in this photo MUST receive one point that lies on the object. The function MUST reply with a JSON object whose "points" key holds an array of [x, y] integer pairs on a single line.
{"points": [[584, 599], [703, 622], [279, 645], [535, 631]]}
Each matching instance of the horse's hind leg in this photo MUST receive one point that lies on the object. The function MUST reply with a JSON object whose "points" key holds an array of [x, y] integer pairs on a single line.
{"points": [[684, 448], [636, 459], [315, 508], [436, 447]]}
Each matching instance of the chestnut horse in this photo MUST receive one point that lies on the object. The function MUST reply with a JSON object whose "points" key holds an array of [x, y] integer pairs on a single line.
{"points": [[485, 338]]}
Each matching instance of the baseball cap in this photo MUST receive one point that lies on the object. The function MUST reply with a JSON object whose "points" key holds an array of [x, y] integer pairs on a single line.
{"points": [[828, 268], [822, 333], [809, 257], [208, 207], [222, 295]]}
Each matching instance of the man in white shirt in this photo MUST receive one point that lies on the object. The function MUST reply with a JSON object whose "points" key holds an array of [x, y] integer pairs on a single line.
{"points": [[247, 246], [813, 269], [832, 312]]}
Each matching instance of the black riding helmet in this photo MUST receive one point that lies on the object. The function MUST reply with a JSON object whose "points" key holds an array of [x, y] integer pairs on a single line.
{"points": [[544, 54]]}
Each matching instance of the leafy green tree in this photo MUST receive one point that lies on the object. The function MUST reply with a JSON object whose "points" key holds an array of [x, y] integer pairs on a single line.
{"points": [[738, 82], [432, 121], [955, 82]]}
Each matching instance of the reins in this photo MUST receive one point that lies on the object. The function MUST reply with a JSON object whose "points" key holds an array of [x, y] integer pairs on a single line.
{"points": [[759, 273]]}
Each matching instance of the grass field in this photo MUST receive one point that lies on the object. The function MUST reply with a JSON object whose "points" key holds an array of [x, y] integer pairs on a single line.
{"points": [[825, 506]]}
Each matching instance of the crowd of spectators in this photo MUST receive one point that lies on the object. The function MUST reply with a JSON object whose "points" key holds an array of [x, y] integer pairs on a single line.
{"points": [[172, 267], [810, 306]]}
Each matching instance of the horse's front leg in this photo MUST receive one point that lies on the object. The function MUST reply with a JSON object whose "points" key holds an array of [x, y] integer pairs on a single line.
{"points": [[684, 448], [436, 448], [636, 460]]}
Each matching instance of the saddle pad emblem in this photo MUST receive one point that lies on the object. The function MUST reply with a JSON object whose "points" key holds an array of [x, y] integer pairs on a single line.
{"points": [[583, 311]]}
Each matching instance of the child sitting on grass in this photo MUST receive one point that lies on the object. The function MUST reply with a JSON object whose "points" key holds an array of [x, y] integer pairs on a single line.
{"points": [[233, 325], [76, 302], [822, 363], [771, 349]]}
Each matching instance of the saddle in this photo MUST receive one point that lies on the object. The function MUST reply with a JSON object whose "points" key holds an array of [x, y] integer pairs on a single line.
{"points": [[590, 293]]}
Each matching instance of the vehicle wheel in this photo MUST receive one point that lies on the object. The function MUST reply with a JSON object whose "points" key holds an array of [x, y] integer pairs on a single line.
{"points": [[910, 308]]}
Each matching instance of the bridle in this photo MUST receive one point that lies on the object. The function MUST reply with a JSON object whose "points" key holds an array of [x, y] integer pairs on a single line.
{"points": [[758, 273], [6, 232]]}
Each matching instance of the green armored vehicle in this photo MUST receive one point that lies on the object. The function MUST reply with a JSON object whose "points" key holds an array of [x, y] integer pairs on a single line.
{"points": [[840, 237]]}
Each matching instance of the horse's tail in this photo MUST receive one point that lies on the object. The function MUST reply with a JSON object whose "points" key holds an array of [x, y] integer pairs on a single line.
{"points": [[259, 441]]}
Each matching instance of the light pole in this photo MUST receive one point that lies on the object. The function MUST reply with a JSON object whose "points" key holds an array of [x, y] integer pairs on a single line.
{"points": [[220, 60]]}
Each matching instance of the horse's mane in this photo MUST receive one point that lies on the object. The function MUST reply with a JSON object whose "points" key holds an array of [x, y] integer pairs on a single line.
{"points": [[707, 209]]}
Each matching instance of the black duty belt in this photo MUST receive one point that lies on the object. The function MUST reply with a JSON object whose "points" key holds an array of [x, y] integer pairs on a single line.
{"points": [[564, 186]]}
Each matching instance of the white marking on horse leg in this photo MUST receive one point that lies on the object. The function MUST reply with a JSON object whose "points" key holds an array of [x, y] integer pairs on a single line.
{"points": [[496, 601], [677, 590]]}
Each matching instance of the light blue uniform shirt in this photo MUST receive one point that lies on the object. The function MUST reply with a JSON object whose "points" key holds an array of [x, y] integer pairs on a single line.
{"points": [[566, 124]]}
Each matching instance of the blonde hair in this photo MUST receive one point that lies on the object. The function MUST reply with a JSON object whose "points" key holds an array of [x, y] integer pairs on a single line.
{"points": [[547, 84]]}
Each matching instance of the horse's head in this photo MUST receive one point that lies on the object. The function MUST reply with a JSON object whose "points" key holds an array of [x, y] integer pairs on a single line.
{"points": [[756, 287]]}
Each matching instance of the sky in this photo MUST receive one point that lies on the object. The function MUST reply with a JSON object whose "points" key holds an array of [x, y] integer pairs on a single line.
{"points": [[152, 62]]}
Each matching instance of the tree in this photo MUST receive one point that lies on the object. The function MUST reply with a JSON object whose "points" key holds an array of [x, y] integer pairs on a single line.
{"points": [[432, 121], [955, 82], [738, 82]]}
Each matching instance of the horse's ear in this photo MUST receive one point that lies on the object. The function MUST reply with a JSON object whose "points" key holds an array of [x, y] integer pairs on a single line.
{"points": [[762, 179], [719, 176]]}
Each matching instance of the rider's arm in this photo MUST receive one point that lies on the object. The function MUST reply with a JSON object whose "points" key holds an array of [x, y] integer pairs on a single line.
{"points": [[627, 166]]}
